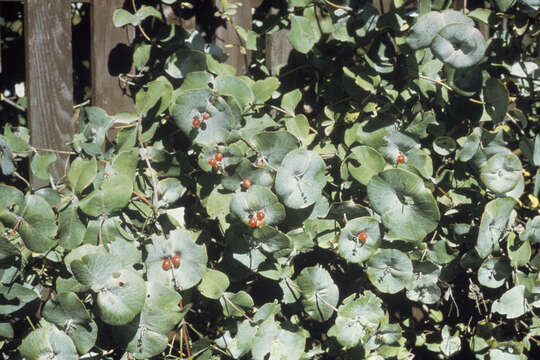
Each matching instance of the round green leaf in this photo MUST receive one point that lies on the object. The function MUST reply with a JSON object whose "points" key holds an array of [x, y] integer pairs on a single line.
{"points": [[235, 87], [68, 312], [48, 343], [354, 250], [493, 224], [146, 335], [70, 227], [40, 165], [459, 45], [364, 163], [389, 270], [494, 272], [273, 342], [170, 190], [273, 146], [406, 206], [496, 99], [270, 239], [185, 61], [193, 260], [512, 303], [121, 298], [319, 293], [428, 26], [213, 284], [247, 170], [300, 179], [192, 103], [357, 318], [244, 205], [423, 291], [114, 195], [38, 225]]}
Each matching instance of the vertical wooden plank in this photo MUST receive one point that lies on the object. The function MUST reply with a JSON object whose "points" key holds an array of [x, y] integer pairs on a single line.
{"points": [[228, 36], [110, 56], [278, 48], [49, 78]]}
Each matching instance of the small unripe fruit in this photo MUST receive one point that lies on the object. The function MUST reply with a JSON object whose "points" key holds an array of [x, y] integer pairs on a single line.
{"points": [[252, 222], [218, 165], [246, 183], [212, 162], [218, 156], [259, 223], [362, 236], [401, 159], [166, 264], [260, 163], [260, 215], [196, 122], [176, 260], [205, 116]]}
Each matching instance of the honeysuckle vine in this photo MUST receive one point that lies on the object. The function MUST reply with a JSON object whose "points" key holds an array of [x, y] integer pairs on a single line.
{"points": [[376, 197]]}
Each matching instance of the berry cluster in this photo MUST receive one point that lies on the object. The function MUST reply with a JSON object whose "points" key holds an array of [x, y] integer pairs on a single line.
{"points": [[256, 220], [215, 162], [166, 264], [198, 120]]}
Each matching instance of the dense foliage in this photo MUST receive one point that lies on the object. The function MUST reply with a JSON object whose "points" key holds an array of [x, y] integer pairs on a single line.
{"points": [[375, 198]]}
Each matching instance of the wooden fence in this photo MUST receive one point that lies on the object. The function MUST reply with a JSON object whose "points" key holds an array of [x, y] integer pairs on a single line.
{"points": [[49, 67]]}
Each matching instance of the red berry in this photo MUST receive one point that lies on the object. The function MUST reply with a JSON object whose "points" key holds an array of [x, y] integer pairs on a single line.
{"points": [[252, 222], [205, 116], [176, 260], [246, 183], [166, 264], [260, 163], [196, 122], [362, 236], [218, 156], [401, 158], [260, 215], [212, 162]]}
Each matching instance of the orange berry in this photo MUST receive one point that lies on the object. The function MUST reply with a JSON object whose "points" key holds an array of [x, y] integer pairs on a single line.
{"points": [[212, 162], [218, 156], [260, 215], [176, 260], [166, 264], [205, 116], [252, 222], [196, 122], [362, 236], [401, 159], [260, 163], [246, 183]]}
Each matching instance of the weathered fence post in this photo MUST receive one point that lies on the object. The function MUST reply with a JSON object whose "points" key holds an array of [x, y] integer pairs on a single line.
{"points": [[110, 55], [49, 78], [228, 36]]}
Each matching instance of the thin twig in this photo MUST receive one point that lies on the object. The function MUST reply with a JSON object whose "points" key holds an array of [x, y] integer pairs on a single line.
{"points": [[140, 26], [147, 160], [326, 302], [238, 309], [144, 199], [21, 178], [82, 104], [35, 149], [342, 7], [12, 103], [435, 81]]}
